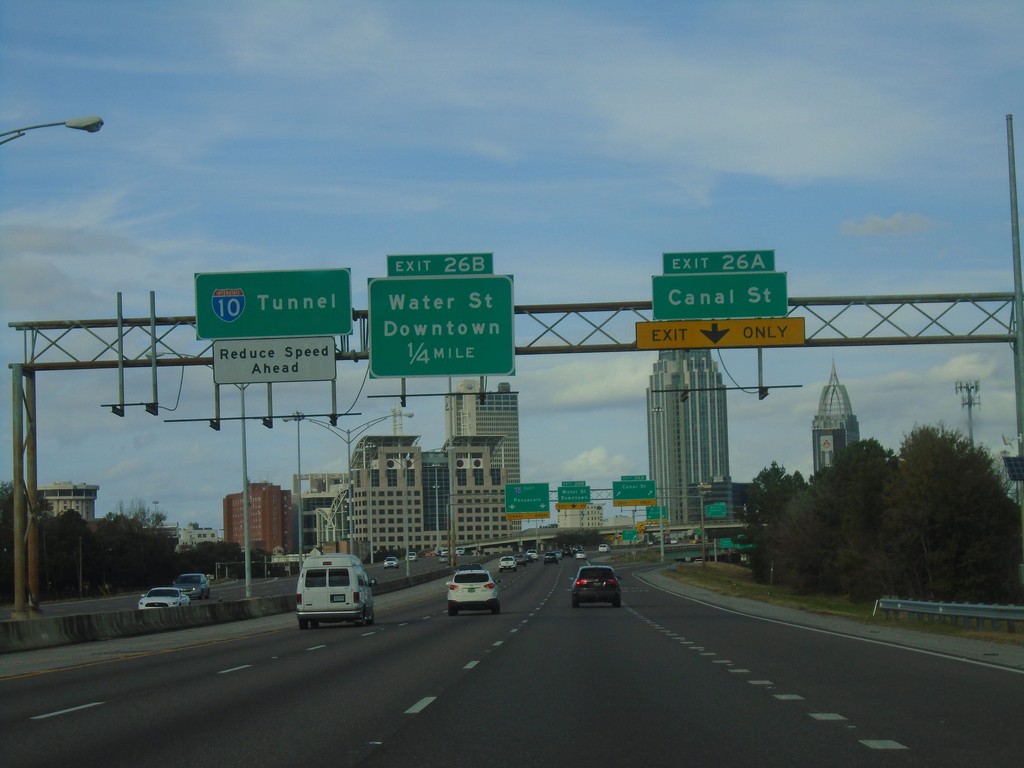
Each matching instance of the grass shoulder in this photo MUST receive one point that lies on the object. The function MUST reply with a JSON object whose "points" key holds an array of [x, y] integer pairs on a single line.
{"points": [[736, 581]]}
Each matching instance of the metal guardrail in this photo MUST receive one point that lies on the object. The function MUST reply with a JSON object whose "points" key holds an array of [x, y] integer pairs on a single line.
{"points": [[955, 612]]}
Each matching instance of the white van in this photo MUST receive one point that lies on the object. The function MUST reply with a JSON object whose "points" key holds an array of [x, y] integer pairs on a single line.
{"points": [[333, 588]]}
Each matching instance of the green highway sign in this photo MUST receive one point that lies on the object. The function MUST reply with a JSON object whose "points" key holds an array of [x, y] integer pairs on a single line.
{"points": [[441, 265], [718, 261], [573, 493], [239, 305], [715, 510], [720, 296], [629, 534], [524, 500], [656, 512], [442, 326], [633, 493]]}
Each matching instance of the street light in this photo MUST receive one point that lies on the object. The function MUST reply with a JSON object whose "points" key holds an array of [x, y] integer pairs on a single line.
{"points": [[89, 124], [705, 491], [26, 546], [348, 435], [297, 418]]}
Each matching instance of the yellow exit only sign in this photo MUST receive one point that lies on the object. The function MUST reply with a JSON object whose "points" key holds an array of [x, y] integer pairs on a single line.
{"points": [[704, 334]]}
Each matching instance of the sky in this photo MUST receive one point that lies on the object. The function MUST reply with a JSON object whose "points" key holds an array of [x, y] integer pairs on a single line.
{"points": [[865, 143]]}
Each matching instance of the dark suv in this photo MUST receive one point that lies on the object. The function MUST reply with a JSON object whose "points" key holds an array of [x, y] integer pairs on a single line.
{"points": [[596, 584], [195, 585]]}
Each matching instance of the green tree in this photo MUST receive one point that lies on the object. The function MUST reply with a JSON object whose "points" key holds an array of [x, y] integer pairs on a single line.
{"points": [[135, 554], [849, 498], [67, 555], [951, 521], [769, 494], [205, 556]]}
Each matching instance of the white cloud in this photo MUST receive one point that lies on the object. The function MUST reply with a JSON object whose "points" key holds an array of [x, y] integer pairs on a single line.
{"points": [[896, 224]]}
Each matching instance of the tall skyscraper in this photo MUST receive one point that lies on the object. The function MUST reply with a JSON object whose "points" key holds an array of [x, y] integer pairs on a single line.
{"points": [[497, 415], [834, 426], [687, 432]]}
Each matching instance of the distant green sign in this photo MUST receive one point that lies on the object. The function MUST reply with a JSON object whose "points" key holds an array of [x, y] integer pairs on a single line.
{"points": [[241, 305], [656, 513], [629, 534], [633, 493], [715, 510], [527, 499], [572, 493]]}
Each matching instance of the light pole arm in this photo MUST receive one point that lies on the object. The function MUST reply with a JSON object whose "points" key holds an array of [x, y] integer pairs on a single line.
{"points": [[89, 124]]}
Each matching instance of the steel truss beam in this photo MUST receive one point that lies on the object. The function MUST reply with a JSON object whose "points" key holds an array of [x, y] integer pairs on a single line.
{"points": [[834, 321], [155, 342]]}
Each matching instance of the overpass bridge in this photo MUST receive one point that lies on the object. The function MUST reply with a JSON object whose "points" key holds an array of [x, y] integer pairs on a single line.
{"points": [[547, 537]]}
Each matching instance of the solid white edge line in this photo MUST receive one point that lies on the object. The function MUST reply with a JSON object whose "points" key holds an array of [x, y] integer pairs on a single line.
{"points": [[834, 633]]}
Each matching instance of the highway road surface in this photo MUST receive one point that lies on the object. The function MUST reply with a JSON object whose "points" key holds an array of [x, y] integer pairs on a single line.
{"points": [[667, 679]]}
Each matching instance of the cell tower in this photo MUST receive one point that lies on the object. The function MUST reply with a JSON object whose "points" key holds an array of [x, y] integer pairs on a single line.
{"points": [[970, 398]]}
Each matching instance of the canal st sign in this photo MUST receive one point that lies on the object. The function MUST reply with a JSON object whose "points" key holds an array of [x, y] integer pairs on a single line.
{"points": [[719, 295]]}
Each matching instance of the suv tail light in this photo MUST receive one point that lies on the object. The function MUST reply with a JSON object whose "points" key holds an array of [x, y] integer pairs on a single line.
{"points": [[489, 585], [298, 598], [355, 596], [453, 587]]}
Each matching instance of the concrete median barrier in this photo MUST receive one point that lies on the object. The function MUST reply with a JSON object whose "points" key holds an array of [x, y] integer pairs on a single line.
{"points": [[47, 632]]}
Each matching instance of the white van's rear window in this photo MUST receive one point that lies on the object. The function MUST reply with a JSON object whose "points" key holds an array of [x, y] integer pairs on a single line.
{"points": [[338, 577], [328, 577]]}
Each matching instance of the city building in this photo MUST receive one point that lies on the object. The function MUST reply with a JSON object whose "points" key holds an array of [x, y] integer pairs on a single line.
{"points": [[591, 516], [191, 534], [834, 425], [322, 511], [688, 434], [269, 509], [497, 413], [403, 498], [63, 496]]}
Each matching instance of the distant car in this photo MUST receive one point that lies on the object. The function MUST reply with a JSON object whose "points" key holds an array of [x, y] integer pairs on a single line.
{"points": [[473, 590], [581, 555], [551, 557], [164, 597], [507, 563], [460, 551], [596, 584], [391, 562], [410, 556], [604, 548], [521, 558], [531, 555], [195, 585]]}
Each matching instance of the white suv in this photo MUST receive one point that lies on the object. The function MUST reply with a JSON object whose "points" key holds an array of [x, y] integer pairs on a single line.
{"points": [[507, 563], [472, 590]]}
